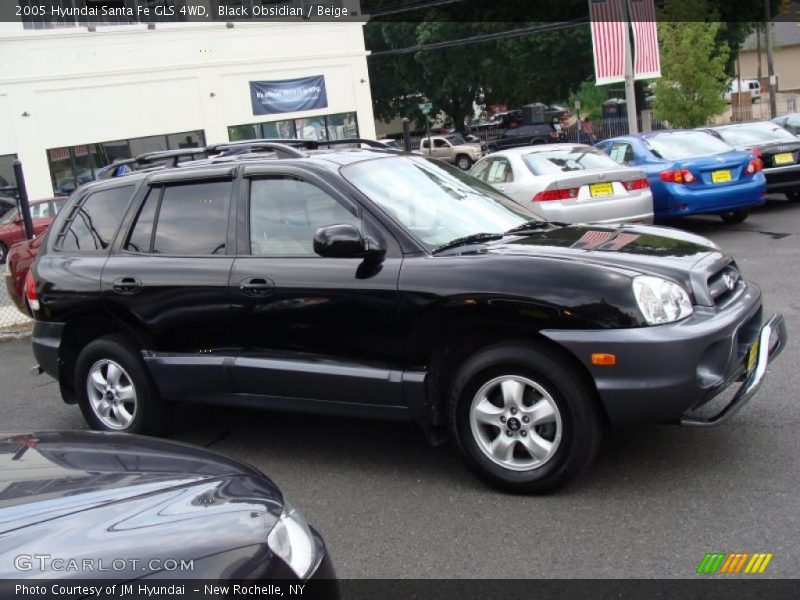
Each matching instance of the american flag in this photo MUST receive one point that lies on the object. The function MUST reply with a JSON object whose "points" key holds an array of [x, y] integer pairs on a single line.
{"points": [[619, 242], [609, 29], [592, 239], [647, 63]]}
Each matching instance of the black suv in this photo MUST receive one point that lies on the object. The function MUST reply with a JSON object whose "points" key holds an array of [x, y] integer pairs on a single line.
{"points": [[525, 135], [369, 282]]}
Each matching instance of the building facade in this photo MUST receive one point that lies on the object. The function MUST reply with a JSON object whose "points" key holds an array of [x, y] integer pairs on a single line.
{"points": [[73, 99]]}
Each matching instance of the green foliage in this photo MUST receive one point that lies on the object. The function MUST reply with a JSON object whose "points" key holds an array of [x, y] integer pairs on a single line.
{"points": [[693, 64]]}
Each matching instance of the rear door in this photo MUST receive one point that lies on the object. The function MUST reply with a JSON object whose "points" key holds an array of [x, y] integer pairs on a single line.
{"points": [[312, 328], [168, 280]]}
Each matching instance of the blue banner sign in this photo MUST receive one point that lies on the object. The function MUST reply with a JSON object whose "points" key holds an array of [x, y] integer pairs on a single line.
{"points": [[288, 95]]}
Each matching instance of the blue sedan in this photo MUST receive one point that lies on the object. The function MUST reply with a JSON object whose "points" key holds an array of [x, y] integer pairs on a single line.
{"points": [[692, 172]]}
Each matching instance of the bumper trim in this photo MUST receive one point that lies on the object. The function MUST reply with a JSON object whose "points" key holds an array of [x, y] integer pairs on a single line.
{"points": [[752, 383]]}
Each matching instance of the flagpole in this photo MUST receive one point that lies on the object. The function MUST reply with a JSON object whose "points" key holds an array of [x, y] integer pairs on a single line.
{"points": [[630, 91]]}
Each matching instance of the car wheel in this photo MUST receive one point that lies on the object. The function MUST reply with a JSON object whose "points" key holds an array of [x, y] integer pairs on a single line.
{"points": [[463, 162], [3, 253], [793, 196], [524, 420], [114, 390], [731, 217]]}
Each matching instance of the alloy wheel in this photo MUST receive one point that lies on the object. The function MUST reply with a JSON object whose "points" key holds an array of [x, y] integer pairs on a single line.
{"points": [[516, 423], [112, 394]]}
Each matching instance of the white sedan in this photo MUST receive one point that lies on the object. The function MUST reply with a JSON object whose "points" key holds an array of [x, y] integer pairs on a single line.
{"points": [[569, 183]]}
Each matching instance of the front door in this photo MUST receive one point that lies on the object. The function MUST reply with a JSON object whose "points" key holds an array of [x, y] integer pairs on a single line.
{"points": [[309, 327]]}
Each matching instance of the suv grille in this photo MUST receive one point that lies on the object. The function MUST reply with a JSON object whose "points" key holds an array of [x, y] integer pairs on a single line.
{"points": [[725, 285]]}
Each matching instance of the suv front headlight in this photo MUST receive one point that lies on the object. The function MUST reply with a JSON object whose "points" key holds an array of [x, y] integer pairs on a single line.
{"points": [[291, 539], [661, 301]]}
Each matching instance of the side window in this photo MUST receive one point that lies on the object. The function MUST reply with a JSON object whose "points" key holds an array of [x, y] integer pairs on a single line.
{"points": [[193, 219], [482, 169], [793, 124], [500, 172], [622, 153], [286, 212], [95, 220], [40, 210], [425, 144], [141, 238], [440, 144]]}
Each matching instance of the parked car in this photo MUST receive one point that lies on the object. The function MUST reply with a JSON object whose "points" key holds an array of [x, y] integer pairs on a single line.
{"points": [[375, 283], [790, 122], [451, 148], [569, 183], [20, 258], [778, 149], [12, 228], [524, 135], [748, 85], [693, 172], [6, 204], [141, 508]]}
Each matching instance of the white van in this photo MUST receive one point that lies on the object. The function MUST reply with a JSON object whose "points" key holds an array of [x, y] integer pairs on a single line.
{"points": [[751, 85]]}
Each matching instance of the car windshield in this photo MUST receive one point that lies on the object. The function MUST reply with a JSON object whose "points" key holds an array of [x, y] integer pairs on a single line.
{"points": [[9, 216], [437, 203], [755, 133], [456, 139], [580, 158], [683, 144]]}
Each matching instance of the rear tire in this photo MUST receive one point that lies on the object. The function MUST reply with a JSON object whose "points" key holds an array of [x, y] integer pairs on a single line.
{"points": [[732, 217], [793, 196], [114, 389], [3, 253], [524, 421]]}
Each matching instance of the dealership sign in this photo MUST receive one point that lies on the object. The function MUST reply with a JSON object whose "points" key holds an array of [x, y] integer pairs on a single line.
{"points": [[288, 95]]}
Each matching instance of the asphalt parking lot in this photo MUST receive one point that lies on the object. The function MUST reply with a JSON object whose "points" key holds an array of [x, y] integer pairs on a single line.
{"points": [[653, 504]]}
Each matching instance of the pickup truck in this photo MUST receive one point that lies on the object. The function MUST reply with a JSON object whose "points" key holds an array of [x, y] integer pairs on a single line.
{"points": [[452, 148]]}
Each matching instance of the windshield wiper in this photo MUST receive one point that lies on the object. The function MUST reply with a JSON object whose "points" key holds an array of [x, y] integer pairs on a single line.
{"points": [[475, 238], [534, 226]]}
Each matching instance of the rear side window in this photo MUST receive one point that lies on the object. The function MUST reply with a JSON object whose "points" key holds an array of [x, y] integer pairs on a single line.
{"points": [[95, 220], [189, 220]]}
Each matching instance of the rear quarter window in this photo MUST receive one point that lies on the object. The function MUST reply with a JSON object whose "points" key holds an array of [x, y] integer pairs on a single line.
{"points": [[94, 220]]}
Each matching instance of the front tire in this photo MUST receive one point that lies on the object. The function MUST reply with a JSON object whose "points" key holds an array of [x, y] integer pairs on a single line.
{"points": [[524, 421], [732, 217], [114, 390], [463, 162]]}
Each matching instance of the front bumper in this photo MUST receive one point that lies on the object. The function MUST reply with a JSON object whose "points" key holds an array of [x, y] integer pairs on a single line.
{"points": [[663, 372]]}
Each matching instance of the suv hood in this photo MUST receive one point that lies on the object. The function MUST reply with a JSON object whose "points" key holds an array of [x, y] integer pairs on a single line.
{"points": [[658, 251]]}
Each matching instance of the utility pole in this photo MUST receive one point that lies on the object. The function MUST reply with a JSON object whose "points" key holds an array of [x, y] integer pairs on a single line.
{"points": [[630, 90], [773, 101]]}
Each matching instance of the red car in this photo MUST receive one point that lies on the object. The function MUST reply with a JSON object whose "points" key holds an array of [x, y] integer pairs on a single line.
{"points": [[12, 229], [20, 259]]}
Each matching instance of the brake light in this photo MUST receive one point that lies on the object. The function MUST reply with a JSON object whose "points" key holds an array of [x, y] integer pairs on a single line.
{"points": [[637, 184], [754, 166], [757, 153], [30, 292], [678, 176], [563, 194]]}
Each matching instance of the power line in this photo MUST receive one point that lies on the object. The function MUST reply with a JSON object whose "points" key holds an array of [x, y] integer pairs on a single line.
{"points": [[406, 7], [486, 37]]}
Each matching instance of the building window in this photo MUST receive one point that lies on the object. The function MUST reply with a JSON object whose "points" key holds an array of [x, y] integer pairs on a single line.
{"points": [[75, 165], [326, 127], [8, 184]]}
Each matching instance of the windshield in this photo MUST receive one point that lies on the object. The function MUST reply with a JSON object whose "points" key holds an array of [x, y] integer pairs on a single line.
{"points": [[9, 216], [755, 133], [551, 162], [683, 144], [437, 203]]}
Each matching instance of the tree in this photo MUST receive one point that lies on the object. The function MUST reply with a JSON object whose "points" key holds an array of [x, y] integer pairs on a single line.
{"points": [[693, 64]]}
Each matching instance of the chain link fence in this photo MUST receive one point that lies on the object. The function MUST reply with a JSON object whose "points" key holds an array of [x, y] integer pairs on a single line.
{"points": [[12, 321]]}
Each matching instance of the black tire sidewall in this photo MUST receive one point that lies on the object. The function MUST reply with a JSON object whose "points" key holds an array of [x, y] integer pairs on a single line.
{"points": [[732, 217], [579, 417], [151, 414], [4, 252]]}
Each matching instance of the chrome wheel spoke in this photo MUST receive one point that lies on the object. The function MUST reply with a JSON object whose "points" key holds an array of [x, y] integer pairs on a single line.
{"points": [[512, 393], [126, 393], [487, 413], [122, 415], [98, 382], [502, 447], [113, 374], [541, 412], [103, 408], [111, 394], [536, 445]]}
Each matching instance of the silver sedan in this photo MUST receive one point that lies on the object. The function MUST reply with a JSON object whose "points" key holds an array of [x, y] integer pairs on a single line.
{"points": [[569, 183]]}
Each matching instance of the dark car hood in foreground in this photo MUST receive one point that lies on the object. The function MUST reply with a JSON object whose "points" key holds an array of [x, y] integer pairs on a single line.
{"points": [[642, 249], [115, 496]]}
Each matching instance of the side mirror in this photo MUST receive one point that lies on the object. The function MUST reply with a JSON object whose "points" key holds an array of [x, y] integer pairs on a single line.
{"points": [[345, 241]]}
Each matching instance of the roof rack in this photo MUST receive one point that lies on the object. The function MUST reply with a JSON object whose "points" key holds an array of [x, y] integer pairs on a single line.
{"points": [[243, 146], [281, 147], [151, 157]]}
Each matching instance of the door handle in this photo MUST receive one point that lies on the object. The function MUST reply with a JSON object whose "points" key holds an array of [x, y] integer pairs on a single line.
{"points": [[127, 286], [257, 286]]}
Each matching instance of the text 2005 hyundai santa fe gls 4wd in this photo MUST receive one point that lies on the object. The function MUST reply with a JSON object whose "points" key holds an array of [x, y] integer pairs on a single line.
{"points": [[368, 282]]}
